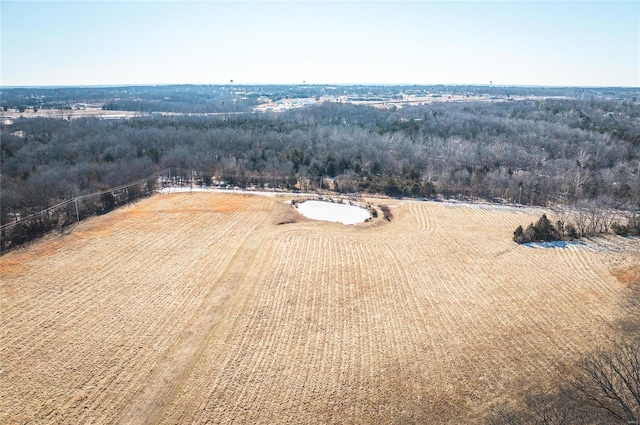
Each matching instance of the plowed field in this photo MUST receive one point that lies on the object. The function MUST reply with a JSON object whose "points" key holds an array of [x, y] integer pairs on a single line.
{"points": [[200, 308]]}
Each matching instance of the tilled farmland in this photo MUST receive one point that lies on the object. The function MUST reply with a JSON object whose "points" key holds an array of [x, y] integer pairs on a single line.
{"points": [[201, 308]]}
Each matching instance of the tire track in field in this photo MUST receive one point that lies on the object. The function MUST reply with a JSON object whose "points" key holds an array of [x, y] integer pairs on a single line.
{"points": [[96, 295], [148, 405], [177, 274], [105, 336], [93, 296], [233, 359]]}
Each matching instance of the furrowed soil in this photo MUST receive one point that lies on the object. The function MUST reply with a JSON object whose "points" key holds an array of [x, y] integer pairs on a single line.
{"points": [[206, 308]]}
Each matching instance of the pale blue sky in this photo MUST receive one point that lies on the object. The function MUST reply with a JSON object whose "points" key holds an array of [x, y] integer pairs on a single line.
{"points": [[576, 43]]}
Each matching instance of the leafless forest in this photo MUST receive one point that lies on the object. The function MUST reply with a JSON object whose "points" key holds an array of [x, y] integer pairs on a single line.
{"points": [[574, 147]]}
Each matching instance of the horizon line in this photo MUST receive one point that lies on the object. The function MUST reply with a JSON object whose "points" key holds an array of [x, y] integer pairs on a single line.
{"points": [[57, 86]]}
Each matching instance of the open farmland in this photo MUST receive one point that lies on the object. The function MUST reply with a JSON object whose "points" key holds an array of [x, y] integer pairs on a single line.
{"points": [[200, 308]]}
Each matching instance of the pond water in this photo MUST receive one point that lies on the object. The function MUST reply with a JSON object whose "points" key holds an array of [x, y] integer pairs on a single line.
{"points": [[329, 211]]}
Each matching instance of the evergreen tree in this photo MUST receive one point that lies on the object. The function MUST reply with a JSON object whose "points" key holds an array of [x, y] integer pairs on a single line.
{"points": [[541, 231], [545, 231]]}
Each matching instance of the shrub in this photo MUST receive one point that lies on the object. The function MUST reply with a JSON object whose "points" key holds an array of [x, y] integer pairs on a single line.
{"points": [[632, 228], [386, 212], [133, 193], [108, 202], [620, 229], [571, 231], [517, 234], [634, 225]]}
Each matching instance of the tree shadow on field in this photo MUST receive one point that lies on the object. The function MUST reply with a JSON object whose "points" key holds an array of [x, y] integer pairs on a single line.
{"points": [[602, 387], [629, 325], [398, 397]]}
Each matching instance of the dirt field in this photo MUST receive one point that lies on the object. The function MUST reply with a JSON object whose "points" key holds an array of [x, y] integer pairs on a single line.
{"points": [[201, 308]]}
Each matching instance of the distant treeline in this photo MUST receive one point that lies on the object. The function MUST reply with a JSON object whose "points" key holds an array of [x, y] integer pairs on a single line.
{"points": [[183, 98], [530, 152], [242, 98]]}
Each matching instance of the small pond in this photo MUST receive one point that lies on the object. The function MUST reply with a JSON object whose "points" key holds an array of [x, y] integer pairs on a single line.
{"points": [[330, 211]]}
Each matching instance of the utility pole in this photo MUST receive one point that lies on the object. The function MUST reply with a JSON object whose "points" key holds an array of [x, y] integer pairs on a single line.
{"points": [[520, 196]]}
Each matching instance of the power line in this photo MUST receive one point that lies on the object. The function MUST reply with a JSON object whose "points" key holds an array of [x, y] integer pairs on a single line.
{"points": [[84, 197]]}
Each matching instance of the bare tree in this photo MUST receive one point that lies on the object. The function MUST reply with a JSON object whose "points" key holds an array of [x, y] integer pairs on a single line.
{"points": [[557, 407], [506, 414], [610, 381], [562, 213]]}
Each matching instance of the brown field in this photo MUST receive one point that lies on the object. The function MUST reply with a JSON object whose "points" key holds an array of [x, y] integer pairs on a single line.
{"points": [[201, 308]]}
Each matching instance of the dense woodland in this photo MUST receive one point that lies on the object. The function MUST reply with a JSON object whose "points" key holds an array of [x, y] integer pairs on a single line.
{"points": [[539, 151]]}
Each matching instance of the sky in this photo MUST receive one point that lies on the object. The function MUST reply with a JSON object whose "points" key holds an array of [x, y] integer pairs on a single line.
{"points": [[508, 42]]}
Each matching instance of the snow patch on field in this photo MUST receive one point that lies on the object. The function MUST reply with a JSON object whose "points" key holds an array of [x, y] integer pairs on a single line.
{"points": [[488, 206], [554, 244], [603, 243], [329, 211], [217, 190]]}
